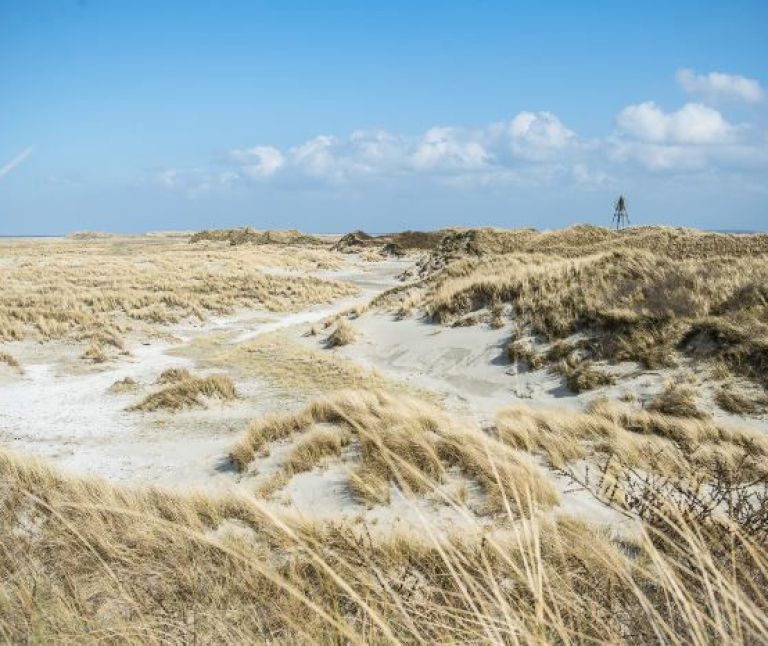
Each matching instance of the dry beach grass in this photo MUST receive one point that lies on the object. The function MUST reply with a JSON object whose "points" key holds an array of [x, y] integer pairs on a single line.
{"points": [[682, 558], [87, 561], [647, 294], [96, 290]]}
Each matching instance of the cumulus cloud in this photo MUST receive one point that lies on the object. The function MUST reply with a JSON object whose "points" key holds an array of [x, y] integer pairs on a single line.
{"points": [[13, 163], [259, 161], [539, 133], [694, 123], [719, 86], [447, 148]]}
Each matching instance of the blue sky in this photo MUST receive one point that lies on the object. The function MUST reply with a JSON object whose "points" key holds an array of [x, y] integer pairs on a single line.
{"points": [[329, 116]]}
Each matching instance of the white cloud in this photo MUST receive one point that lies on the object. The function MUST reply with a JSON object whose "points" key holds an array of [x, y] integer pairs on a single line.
{"points": [[717, 85], [694, 123], [440, 150], [541, 130], [13, 163], [448, 148], [259, 161]]}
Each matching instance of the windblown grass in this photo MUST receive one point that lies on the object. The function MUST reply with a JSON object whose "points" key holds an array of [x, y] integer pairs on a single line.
{"points": [[739, 404], [293, 370], [172, 375], [343, 334], [124, 385], [677, 399], [188, 392], [670, 445], [86, 561], [400, 442]]}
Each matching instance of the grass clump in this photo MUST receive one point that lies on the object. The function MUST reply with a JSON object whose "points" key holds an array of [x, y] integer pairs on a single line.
{"points": [[173, 375], [10, 361], [733, 401], [343, 334], [581, 375], [95, 353], [124, 385], [678, 400], [522, 351], [189, 393]]}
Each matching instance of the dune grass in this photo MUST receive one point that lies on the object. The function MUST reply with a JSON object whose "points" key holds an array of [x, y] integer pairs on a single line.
{"points": [[188, 392], [124, 385], [642, 295], [400, 441], [85, 561], [678, 400], [97, 289], [292, 369], [172, 375], [343, 334], [10, 361], [730, 399], [670, 445]]}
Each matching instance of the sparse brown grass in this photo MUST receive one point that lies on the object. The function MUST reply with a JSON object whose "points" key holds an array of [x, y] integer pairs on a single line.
{"points": [[124, 385], [11, 361], [98, 289], [730, 399], [582, 375], [293, 370], [95, 353], [172, 375], [343, 334], [522, 351], [188, 392], [402, 441], [670, 445], [678, 400]]}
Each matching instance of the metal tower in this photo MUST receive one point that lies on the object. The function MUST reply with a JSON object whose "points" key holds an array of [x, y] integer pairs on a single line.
{"points": [[620, 214]]}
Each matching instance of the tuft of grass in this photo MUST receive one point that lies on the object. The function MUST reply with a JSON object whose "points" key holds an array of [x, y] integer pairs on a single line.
{"points": [[343, 334], [95, 353], [189, 393], [11, 361], [737, 403], [124, 385], [522, 351], [173, 375], [582, 375], [678, 400]]}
